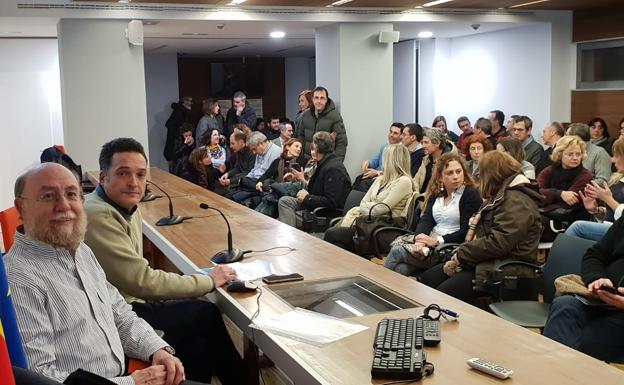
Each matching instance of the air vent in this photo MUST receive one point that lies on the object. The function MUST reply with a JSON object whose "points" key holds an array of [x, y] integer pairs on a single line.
{"points": [[226, 49]]}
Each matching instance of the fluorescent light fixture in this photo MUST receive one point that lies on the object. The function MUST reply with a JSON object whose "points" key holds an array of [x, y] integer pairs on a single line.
{"points": [[437, 2], [277, 34], [529, 3], [339, 2], [236, 2], [425, 34]]}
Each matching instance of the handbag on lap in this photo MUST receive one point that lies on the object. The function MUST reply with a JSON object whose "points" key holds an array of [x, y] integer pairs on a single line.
{"points": [[365, 226]]}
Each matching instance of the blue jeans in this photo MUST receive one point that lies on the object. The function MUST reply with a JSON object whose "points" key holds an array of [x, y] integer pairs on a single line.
{"points": [[591, 330], [594, 231], [401, 261]]}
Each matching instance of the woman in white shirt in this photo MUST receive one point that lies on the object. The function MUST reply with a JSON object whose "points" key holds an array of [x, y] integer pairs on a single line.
{"points": [[450, 201]]}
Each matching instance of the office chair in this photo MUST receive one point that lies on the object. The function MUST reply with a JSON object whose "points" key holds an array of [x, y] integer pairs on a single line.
{"points": [[322, 218], [564, 258], [9, 222]]}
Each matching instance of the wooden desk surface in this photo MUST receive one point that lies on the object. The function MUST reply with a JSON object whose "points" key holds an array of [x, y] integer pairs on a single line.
{"points": [[534, 359]]}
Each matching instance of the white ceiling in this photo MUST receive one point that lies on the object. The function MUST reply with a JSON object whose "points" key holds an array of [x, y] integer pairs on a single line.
{"points": [[248, 38]]}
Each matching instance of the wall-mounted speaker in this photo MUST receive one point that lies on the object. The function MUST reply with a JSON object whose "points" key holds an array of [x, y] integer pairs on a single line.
{"points": [[388, 36], [134, 33]]}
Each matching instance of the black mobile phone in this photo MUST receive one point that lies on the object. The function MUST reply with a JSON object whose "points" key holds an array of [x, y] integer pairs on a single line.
{"points": [[610, 289], [275, 278]]}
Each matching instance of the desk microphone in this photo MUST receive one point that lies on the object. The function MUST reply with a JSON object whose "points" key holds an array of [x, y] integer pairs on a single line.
{"points": [[171, 219], [225, 256]]}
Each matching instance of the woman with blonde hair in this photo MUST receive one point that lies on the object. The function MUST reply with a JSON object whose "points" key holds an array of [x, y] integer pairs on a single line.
{"points": [[604, 203], [562, 182], [450, 201], [506, 226], [393, 188]]}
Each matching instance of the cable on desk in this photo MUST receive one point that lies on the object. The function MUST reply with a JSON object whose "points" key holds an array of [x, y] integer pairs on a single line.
{"points": [[253, 330], [272, 248]]}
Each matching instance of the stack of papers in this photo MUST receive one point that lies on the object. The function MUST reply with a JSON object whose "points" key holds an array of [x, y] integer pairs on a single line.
{"points": [[248, 271]]}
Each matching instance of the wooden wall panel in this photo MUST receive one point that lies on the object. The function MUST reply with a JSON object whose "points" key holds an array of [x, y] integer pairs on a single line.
{"points": [[194, 80], [598, 24], [608, 105]]}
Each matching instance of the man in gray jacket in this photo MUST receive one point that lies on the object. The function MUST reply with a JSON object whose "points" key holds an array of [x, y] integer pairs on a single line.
{"points": [[598, 161], [323, 117]]}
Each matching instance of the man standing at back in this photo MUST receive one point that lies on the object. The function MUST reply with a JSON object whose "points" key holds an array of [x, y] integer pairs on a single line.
{"points": [[115, 236], [240, 112], [323, 117], [497, 118]]}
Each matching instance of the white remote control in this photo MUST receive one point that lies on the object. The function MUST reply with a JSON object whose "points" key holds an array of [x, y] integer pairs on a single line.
{"points": [[489, 368]]}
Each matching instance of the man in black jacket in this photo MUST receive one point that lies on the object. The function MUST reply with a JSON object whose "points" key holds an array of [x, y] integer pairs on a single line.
{"points": [[595, 330], [179, 115], [245, 161], [328, 187], [240, 112]]}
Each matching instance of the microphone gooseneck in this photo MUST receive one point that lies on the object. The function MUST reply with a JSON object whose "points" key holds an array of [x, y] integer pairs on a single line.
{"points": [[171, 219], [231, 254]]}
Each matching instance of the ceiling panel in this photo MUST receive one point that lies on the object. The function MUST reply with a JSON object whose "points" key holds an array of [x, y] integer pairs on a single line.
{"points": [[455, 4]]}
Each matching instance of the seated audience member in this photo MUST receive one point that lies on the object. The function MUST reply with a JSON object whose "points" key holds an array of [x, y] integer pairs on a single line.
{"points": [[393, 188], [211, 120], [279, 171], [598, 161], [435, 144], [371, 168], [179, 161], [562, 182], [411, 137], [466, 130], [533, 151], [328, 186], [305, 103], [260, 125], [497, 118], [244, 162], [273, 131], [114, 233], [500, 233], [510, 124], [514, 147], [286, 132], [266, 152], [208, 162], [69, 316], [484, 127], [550, 135], [599, 133], [450, 201], [440, 122], [611, 196], [476, 146], [596, 331]]}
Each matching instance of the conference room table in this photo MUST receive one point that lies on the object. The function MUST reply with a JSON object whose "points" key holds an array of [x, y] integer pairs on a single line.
{"points": [[190, 245]]}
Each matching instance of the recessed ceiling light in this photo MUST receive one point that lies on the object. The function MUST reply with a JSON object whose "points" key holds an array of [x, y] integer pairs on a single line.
{"points": [[236, 2], [425, 34], [529, 3], [437, 2], [339, 2], [277, 34]]}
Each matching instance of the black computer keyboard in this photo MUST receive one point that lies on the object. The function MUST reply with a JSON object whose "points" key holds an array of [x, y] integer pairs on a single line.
{"points": [[398, 349]]}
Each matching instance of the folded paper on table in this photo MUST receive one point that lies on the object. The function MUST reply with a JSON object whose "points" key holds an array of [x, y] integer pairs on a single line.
{"points": [[247, 271], [307, 326]]}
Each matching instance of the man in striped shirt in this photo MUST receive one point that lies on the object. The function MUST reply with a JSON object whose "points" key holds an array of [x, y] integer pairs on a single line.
{"points": [[69, 316]]}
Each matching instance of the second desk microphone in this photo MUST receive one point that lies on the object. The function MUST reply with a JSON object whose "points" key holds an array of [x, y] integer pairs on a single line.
{"points": [[231, 254]]}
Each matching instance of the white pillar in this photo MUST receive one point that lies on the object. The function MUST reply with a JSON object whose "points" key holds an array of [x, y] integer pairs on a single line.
{"points": [[102, 87], [357, 71]]}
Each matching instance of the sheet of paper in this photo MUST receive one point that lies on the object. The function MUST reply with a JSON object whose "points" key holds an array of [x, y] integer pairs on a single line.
{"points": [[248, 271], [308, 326]]}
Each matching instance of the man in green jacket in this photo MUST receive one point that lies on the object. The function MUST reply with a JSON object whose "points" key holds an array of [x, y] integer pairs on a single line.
{"points": [[194, 328], [323, 117]]}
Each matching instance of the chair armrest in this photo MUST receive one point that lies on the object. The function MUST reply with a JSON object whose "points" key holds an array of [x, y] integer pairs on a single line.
{"points": [[326, 212], [510, 262], [333, 221]]}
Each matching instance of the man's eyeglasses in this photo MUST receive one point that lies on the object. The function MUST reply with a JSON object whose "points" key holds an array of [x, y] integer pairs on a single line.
{"points": [[52, 197]]}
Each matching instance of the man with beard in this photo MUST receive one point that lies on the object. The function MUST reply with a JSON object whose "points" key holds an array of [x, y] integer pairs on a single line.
{"points": [[69, 316]]}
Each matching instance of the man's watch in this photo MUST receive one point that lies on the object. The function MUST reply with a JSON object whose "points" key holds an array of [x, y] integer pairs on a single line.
{"points": [[169, 350]]}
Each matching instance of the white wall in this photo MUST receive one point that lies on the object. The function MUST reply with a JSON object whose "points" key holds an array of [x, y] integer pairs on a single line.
{"points": [[405, 85], [297, 78], [102, 87], [161, 87], [511, 70], [30, 107]]}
